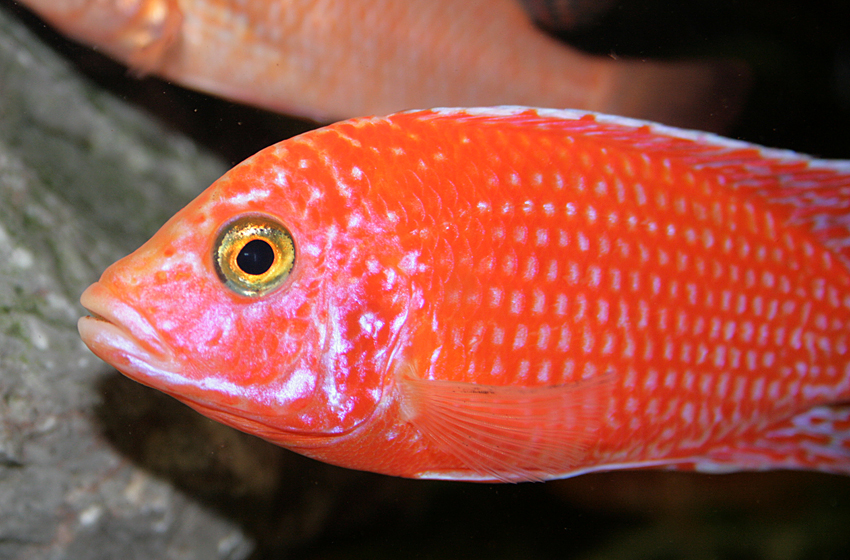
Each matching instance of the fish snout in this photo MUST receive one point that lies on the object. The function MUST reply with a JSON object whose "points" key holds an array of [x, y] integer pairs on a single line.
{"points": [[118, 334]]}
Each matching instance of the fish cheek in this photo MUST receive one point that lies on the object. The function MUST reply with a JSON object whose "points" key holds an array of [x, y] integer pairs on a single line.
{"points": [[265, 337], [253, 351]]}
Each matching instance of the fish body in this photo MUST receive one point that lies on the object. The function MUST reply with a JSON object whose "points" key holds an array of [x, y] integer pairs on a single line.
{"points": [[338, 59], [504, 294]]}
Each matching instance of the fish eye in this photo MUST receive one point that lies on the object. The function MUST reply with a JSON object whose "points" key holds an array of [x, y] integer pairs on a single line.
{"points": [[253, 255]]}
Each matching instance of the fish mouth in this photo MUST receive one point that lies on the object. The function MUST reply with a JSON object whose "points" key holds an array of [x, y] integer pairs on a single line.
{"points": [[119, 335], [124, 338]]}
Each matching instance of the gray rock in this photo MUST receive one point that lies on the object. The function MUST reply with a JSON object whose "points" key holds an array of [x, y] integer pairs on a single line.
{"points": [[84, 179]]}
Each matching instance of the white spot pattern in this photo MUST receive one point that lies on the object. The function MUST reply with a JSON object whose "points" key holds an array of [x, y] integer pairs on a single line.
{"points": [[681, 294]]}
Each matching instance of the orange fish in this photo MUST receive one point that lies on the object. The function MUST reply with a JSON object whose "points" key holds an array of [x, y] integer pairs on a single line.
{"points": [[504, 294], [343, 58]]}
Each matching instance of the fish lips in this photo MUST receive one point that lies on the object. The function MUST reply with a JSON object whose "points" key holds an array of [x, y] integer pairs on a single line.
{"points": [[122, 337]]}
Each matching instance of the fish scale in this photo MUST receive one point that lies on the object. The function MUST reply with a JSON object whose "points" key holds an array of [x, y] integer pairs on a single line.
{"points": [[512, 294], [634, 344]]}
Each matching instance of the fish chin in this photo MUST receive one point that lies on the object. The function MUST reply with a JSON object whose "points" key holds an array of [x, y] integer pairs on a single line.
{"points": [[280, 410], [123, 338]]}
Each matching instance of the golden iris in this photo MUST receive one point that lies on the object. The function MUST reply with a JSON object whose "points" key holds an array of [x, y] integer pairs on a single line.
{"points": [[253, 255]]}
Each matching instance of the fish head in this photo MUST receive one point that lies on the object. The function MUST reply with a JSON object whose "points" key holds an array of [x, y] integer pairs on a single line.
{"points": [[268, 303]]}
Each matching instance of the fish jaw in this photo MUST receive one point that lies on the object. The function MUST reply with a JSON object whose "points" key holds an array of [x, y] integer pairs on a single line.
{"points": [[122, 337], [117, 334], [295, 398]]}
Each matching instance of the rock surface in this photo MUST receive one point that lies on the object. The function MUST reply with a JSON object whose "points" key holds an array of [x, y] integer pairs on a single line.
{"points": [[84, 178]]}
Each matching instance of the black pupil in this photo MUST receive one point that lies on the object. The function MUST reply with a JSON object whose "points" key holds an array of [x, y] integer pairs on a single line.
{"points": [[256, 257]]}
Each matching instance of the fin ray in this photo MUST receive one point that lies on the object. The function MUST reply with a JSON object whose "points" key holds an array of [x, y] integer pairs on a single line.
{"points": [[510, 434]]}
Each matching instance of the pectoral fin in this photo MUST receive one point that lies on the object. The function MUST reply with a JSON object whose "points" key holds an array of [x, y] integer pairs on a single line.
{"points": [[510, 434]]}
